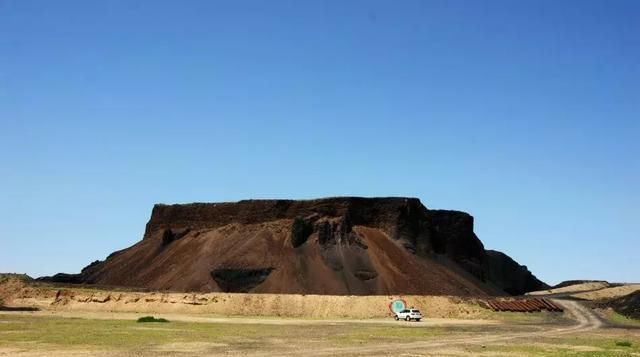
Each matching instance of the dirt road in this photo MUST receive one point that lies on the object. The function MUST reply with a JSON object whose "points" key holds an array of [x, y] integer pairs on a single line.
{"points": [[101, 315]]}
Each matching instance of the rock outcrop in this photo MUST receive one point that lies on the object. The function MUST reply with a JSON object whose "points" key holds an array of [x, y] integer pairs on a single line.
{"points": [[508, 275], [343, 245]]}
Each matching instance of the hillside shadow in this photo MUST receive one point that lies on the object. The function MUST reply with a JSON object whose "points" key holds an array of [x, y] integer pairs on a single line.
{"points": [[18, 308]]}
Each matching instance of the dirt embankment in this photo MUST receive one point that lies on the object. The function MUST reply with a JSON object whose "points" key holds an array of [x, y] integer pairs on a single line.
{"points": [[20, 294], [572, 289], [608, 293], [626, 305], [592, 291]]}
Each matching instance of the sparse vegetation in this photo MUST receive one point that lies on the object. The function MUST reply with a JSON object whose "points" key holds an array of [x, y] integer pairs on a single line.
{"points": [[152, 319], [542, 317], [621, 319], [593, 345], [7, 276], [127, 335]]}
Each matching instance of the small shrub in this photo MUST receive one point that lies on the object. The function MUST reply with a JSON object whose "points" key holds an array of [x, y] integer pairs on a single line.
{"points": [[623, 343], [151, 319]]}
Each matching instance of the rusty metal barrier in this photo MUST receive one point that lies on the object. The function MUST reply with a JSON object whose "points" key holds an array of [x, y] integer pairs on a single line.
{"points": [[520, 305]]}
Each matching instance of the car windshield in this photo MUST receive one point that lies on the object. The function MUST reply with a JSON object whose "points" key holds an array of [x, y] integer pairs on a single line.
{"points": [[416, 311]]}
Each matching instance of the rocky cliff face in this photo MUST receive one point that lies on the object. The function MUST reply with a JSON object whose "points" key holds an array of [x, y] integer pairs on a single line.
{"points": [[344, 245], [510, 276]]}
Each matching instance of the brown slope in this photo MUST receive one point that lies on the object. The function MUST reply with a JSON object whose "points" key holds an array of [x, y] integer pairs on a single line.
{"points": [[384, 267], [348, 245]]}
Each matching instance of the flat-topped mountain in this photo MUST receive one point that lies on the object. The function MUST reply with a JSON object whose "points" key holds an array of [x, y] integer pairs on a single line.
{"points": [[342, 245]]}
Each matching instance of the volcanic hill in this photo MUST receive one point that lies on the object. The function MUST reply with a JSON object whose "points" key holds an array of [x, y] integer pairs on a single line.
{"points": [[338, 246]]}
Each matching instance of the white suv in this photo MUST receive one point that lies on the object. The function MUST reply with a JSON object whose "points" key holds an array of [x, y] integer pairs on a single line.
{"points": [[408, 315]]}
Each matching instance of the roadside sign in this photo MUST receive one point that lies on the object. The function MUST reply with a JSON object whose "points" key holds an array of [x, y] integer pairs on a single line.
{"points": [[397, 305]]}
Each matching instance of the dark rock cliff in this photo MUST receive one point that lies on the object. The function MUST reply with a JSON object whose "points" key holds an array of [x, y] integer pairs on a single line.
{"points": [[513, 278], [421, 230]]}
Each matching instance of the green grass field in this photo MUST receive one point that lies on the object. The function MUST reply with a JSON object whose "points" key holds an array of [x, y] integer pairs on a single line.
{"points": [[55, 333], [622, 320]]}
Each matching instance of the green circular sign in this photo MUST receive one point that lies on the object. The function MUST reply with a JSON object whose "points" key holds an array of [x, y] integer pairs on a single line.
{"points": [[397, 305]]}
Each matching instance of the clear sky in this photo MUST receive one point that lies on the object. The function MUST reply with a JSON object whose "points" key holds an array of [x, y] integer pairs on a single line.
{"points": [[526, 114]]}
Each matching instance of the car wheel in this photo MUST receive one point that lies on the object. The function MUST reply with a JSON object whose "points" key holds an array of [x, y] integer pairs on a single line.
{"points": [[396, 317], [417, 320], [408, 318]]}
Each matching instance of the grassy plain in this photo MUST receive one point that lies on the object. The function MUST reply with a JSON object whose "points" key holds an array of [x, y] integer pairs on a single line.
{"points": [[26, 334]]}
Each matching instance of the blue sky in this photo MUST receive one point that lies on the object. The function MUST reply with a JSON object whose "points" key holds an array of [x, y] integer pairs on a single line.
{"points": [[525, 114]]}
